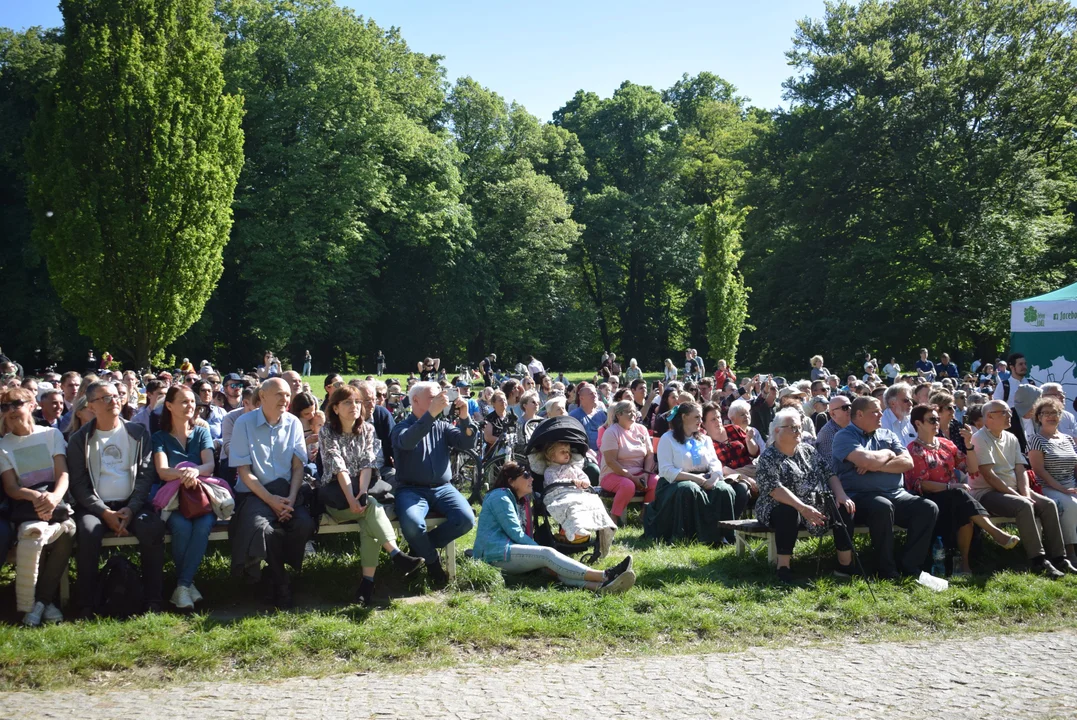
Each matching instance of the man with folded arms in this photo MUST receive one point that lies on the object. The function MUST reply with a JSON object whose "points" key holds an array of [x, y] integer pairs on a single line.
{"points": [[270, 523], [870, 460]]}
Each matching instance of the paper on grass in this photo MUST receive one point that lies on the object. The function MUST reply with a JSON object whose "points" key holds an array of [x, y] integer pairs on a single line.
{"points": [[930, 581]]}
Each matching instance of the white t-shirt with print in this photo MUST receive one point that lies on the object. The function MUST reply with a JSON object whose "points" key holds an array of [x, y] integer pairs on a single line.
{"points": [[114, 482], [31, 456]]}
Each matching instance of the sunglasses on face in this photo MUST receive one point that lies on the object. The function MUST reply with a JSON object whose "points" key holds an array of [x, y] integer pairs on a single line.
{"points": [[235, 386], [13, 405]]}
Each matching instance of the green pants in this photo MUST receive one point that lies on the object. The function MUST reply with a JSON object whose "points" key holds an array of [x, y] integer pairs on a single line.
{"points": [[375, 530]]}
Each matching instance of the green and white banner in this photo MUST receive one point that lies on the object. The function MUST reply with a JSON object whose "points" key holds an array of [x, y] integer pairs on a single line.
{"points": [[1030, 316], [1044, 328]]}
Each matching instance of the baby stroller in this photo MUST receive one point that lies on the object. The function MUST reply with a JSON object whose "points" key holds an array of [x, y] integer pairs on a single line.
{"points": [[558, 429]]}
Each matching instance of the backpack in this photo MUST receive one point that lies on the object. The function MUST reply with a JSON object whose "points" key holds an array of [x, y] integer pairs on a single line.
{"points": [[119, 589]]}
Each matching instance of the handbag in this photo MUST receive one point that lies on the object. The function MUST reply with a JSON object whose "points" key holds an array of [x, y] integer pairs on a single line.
{"points": [[194, 502]]}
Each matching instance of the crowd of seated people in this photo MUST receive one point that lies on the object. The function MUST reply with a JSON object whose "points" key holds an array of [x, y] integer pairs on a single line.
{"points": [[936, 453]]}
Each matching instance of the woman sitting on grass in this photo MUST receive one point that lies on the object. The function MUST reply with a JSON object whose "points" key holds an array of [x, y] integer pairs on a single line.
{"points": [[349, 455], [503, 539]]}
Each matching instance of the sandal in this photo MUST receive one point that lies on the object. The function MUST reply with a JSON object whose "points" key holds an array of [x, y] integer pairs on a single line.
{"points": [[1011, 543]]}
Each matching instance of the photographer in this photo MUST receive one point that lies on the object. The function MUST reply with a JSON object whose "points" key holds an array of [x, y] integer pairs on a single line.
{"points": [[421, 444]]}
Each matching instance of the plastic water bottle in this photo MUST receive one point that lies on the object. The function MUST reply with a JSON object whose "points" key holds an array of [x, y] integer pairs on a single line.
{"points": [[938, 558]]}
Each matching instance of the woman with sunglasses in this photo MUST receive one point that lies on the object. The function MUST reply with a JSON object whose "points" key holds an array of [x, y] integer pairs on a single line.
{"points": [[1053, 456], [503, 539], [934, 475]]}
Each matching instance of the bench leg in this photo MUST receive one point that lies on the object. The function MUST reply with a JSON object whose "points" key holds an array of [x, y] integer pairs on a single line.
{"points": [[739, 542], [772, 549], [450, 561]]}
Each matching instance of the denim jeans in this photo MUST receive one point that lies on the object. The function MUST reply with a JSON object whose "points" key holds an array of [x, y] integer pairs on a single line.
{"points": [[414, 503], [525, 558], [189, 541]]}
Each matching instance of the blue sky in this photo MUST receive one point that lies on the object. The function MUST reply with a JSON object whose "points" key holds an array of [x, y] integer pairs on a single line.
{"points": [[540, 54]]}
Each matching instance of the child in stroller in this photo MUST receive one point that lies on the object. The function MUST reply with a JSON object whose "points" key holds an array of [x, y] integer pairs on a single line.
{"points": [[557, 450]]}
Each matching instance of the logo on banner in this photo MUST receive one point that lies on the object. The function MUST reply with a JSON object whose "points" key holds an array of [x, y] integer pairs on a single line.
{"points": [[1034, 317]]}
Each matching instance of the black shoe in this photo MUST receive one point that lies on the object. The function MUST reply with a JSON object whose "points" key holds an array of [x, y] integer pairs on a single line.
{"points": [[846, 571], [406, 564], [619, 568], [785, 576], [1042, 566], [894, 575], [282, 597], [365, 594], [155, 608], [437, 576], [1064, 565]]}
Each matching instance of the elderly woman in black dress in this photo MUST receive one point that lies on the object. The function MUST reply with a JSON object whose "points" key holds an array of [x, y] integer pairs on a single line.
{"points": [[792, 479]]}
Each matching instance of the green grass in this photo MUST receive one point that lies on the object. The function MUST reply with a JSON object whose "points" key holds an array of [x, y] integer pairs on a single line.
{"points": [[688, 597]]}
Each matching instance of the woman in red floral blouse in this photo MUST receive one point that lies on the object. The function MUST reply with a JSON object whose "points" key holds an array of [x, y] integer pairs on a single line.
{"points": [[934, 475]]}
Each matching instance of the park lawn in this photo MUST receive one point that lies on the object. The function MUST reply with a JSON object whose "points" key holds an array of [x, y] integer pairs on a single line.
{"points": [[688, 598]]}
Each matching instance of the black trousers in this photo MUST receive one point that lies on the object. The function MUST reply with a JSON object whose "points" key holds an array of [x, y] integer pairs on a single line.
{"points": [[916, 514], [786, 523], [90, 530], [257, 535]]}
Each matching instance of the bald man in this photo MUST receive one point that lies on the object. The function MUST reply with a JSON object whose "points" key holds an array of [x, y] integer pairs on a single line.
{"points": [[294, 380], [271, 521], [838, 410]]}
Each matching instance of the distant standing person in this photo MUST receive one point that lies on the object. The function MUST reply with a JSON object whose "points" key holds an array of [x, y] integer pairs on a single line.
{"points": [[380, 362], [306, 363]]}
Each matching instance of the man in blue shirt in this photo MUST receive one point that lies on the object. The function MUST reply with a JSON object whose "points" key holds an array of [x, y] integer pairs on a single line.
{"points": [[421, 444], [945, 369], [924, 367], [271, 522], [589, 412], [869, 460]]}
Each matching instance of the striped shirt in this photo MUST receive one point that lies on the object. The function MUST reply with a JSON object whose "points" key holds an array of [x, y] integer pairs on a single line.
{"points": [[1059, 457]]}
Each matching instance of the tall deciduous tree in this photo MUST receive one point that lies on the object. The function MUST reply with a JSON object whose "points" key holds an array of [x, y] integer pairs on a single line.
{"points": [[727, 297], [134, 164], [348, 212], [917, 184]]}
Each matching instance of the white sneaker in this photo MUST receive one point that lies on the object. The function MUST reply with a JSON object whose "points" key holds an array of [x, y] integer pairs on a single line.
{"points": [[52, 614], [195, 595], [33, 618], [181, 598], [309, 549]]}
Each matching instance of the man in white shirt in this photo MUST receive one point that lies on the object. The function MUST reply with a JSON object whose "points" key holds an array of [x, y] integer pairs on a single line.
{"points": [[896, 416], [1001, 486], [111, 473]]}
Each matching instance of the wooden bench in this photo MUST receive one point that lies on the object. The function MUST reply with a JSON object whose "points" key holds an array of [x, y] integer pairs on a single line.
{"points": [[744, 529], [328, 526]]}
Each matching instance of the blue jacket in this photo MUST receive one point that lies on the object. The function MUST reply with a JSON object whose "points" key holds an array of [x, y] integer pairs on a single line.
{"points": [[499, 527], [420, 448]]}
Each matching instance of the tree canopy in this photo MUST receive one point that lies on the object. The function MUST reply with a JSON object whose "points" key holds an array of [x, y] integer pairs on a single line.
{"points": [[132, 169], [922, 177]]}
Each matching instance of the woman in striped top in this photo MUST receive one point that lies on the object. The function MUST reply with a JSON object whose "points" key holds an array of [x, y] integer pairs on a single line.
{"points": [[1053, 457]]}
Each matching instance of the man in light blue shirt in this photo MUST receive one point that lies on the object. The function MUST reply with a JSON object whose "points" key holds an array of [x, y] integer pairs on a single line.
{"points": [[271, 521], [589, 412]]}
